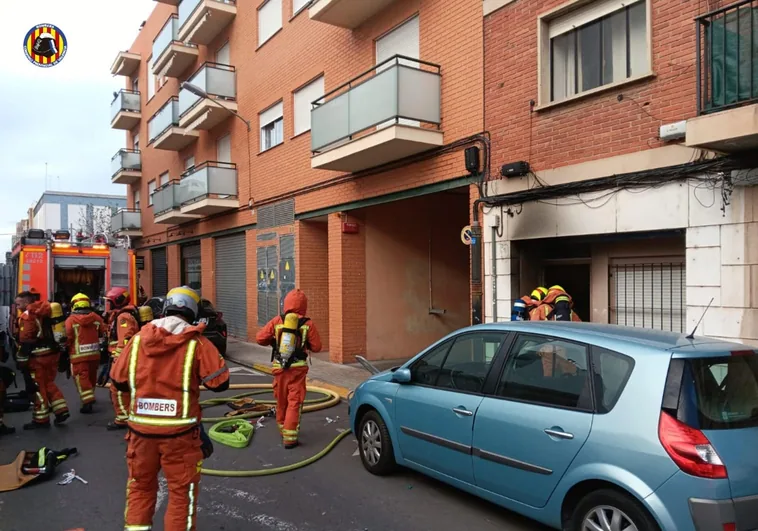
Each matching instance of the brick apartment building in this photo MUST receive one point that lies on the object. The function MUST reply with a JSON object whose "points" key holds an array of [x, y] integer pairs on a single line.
{"points": [[359, 201], [635, 119]]}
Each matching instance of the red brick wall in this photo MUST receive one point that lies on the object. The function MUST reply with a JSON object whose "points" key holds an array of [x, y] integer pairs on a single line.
{"points": [[312, 275], [597, 126], [208, 268], [174, 259]]}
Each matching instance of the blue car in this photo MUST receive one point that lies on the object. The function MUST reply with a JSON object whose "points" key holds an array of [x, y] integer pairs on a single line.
{"points": [[580, 426]]}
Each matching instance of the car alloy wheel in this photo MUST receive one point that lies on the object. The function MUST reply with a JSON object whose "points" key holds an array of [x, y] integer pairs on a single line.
{"points": [[607, 518], [371, 442]]}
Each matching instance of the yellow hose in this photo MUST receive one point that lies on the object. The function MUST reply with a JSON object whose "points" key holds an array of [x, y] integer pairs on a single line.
{"points": [[331, 400]]}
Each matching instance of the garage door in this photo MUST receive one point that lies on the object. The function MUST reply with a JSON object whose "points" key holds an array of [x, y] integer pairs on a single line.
{"points": [[231, 284], [160, 272]]}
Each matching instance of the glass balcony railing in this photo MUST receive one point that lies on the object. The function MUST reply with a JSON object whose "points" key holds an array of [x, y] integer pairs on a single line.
{"points": [[166, 198], [727, 57], [215, 79], [125, 100], [209, 179], [167, 116], [125, 220], [187, 7], [126, 160], [399, 90], [166, 36]]}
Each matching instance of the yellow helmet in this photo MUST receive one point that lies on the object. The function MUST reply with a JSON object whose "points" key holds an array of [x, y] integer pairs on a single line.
{"points": [[539, 293], [80, 300], [557, 288]]}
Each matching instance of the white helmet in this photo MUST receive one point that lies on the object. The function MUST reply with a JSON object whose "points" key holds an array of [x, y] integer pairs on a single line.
{"points": [[183, 301], [51, 48]]}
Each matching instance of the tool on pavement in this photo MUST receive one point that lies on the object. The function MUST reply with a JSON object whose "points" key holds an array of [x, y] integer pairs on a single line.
{"points": [[69, 477], [31, 465]]}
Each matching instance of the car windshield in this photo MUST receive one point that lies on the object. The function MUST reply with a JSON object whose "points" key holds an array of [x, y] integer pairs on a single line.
{"points": [[724, 390]]}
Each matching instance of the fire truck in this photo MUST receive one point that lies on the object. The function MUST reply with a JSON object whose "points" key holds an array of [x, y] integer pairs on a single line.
{"points": [[56, 265]]}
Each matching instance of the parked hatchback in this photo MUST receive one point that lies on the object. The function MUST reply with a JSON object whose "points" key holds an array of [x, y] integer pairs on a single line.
{"points": [[583, 427]]}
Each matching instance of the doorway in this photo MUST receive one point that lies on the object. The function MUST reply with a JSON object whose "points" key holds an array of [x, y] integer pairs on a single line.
{"points": [[575, 279]]}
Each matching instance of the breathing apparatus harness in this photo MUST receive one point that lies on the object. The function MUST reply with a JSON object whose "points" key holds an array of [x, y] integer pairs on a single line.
{"points": [[289, 341]]}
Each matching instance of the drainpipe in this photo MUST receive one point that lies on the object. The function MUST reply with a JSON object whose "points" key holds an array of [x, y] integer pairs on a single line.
{"points": [[476, 266], [494, 275], [49, 271]]}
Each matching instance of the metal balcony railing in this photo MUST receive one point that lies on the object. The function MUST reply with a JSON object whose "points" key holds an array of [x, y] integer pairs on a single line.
{"points": [[126, 219], [217, 80], [167, 116], [166, 198], [126, 160], [398, 89], [727, 59], [188, 7], [125, 100], [208, 179]]}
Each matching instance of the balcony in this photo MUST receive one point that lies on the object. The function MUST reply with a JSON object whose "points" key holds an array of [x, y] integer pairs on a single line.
{"points": [[220, 82], [346, 13], [727, 80], [209, 189], [201, 21], [167, 202], [125, 110], [377, 117], [127, 223], [126, 167], [169, 2], [125, 64], [173, 57], [163, 129]]}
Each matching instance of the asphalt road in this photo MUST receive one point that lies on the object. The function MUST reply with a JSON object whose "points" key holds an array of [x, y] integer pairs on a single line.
{"points": [[333, 494]]}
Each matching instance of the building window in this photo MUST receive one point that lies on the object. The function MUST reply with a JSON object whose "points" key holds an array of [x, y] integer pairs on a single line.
{"points": [[163, 179], [272, 126], [150, 192], [599, 44], [189, 162], [299, 5], [269, 20], [191, 267], [223, 56], [135, 198], [136, 141], [135, 84], [150, 79], [302, 103], [649, 295]]}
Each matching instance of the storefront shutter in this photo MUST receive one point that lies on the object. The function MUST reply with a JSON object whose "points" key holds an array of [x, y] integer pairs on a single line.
{"points": [[231, 283]]}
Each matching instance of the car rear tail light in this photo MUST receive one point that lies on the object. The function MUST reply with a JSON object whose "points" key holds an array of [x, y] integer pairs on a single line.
{"points": [[219, 315], [690, 449], [742, 352], [223, 333], [730, 527]]}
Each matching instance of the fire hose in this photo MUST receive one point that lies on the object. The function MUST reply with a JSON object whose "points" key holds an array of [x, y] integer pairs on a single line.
{"points": [[327, 399]]}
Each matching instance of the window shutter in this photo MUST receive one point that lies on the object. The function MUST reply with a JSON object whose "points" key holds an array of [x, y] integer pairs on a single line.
{"points": [[303, 99], [269, 20]]}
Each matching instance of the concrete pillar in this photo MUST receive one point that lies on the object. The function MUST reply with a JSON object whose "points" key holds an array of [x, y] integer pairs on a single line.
{"points": [[251, 283], [174, 259], [312, 272], [347, 290], [207, 268]]}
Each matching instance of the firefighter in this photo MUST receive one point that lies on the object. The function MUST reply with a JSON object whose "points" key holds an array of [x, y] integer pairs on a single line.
{"points": [[162, 369], [122, 326], [556, 306], [6, 378], [83, 331], [39, 352], [523, 306], [291, 335]]}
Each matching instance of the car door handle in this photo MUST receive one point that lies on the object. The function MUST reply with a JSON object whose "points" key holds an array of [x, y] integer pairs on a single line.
{"points": [[463, 411], [559, 434]]}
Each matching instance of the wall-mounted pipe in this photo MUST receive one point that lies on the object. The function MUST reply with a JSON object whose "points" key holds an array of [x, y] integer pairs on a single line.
{"points": [[494, 275]]}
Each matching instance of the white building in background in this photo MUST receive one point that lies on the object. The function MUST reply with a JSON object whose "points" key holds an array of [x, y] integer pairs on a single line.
{"points": [[74, 211]]}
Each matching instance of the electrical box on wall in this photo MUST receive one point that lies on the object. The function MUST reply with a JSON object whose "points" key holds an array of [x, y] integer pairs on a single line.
{"points": [[674, 131], [514, 169]]}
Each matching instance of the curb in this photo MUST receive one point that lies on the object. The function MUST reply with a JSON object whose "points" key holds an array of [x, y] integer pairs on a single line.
{"points": [[344, 392]]}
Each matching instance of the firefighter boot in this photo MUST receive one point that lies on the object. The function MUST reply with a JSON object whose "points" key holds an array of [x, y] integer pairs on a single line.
{"points": [[86, 409], [60, 419], [6, 430], [113, 426], [35, 425]]}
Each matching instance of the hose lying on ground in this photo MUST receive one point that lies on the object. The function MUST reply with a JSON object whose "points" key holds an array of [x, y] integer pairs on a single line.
{"points": [[328, 399]]}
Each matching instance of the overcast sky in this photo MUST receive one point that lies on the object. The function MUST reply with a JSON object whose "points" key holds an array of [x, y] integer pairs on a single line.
{"points": [[60, 115]]}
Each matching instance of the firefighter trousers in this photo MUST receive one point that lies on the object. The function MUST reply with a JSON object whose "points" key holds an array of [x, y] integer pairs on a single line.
{"points": [[289, 392], [47, 397], [120, 403], [180, 458], [85, 377]]}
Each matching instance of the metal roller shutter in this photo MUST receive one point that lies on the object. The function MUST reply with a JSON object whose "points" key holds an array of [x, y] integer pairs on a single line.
{"points": [[231, 283], [160, 272]]}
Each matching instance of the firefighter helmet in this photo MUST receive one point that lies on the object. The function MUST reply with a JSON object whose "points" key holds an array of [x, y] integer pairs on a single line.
{"points": [[80, 300], [44, 45], [183, 301], [119, 297]]}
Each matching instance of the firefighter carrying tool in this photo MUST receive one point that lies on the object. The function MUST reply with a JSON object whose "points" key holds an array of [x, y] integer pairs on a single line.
{"points": [[291, 336], [123, 324], [83, 330], [39, 351], [162, 369]]}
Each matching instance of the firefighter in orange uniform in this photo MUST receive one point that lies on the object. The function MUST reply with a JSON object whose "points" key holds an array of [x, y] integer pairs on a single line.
{"points": [[291, 335], [123, 324], [556, 306], [162, 369], [38, 351], [6, 377], [83, 331]]}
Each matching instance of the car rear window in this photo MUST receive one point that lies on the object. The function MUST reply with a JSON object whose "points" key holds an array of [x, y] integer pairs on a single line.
{"points": [[720, 392]]}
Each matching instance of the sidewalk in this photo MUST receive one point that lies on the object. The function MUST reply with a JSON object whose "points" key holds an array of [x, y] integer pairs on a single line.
{"points": [[339, 378]]}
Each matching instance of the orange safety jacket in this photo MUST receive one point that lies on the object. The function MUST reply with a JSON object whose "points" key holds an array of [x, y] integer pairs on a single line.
{"points": [[163, 367], [121, 328], [30, 336], [83, 331], [543, 311]]}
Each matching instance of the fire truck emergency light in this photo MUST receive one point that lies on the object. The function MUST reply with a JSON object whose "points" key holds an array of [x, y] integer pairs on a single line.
{"points": [[62, 235], [35, 234]]}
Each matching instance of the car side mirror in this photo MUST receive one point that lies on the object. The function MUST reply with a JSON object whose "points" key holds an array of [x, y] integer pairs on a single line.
{"points": [[401, 376]]}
